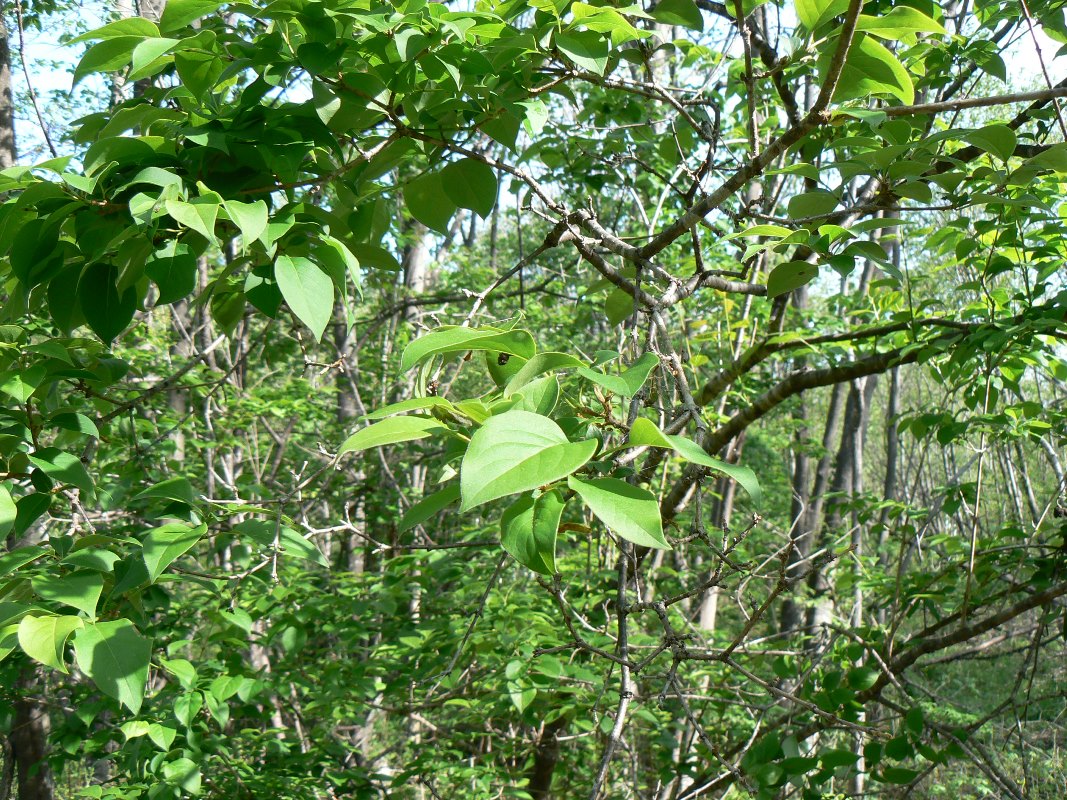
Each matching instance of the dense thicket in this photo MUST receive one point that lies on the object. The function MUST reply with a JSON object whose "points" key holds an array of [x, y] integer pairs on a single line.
{"points": [[536, 399]]}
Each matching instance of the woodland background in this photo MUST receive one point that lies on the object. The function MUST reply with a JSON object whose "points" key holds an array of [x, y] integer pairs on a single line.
{"points": [[533, 399]]}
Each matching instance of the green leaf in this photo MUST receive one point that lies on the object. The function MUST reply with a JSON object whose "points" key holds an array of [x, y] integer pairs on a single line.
{"points": [[411, 404], [109, 55], [470, 184], [134, 729], [166, 543], [428, 202], [870, 69], [679, 12], [198, 72], [130, 26], [539, 396], [537, 365], [514, 452], [187, 707], [629, 511], [161, 735], [588, 49], [760, 230], [107, 312], [459, 340], [1000, 140], [81, 589], [789, 276], [250, 218], [21, 384], [390, 431], [179, 489], [818, 203], [198, 215], [428, 507], [645, 433], [182, 669], [20, 557], [75, 421], [629, 382], [528, 530], [44, 638], [115, 656], [308, 291], [62, 468], [814, 13], [8, 513], [179, 13], [184, 774], [142, 63], [291, 543], [899, 23], [173, 269], [898, 775]]}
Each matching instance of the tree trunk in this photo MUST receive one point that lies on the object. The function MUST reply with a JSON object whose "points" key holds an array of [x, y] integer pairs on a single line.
{"points": [[29, 738]]}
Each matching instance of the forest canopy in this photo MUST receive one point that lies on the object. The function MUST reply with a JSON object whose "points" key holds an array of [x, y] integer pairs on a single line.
{"points": [[533, 399]]}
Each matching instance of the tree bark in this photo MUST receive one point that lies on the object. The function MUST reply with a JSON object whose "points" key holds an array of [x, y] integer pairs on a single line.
{"points": [[29, 738]]}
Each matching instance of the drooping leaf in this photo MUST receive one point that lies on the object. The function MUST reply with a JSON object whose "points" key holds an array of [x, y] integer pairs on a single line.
{"points": [[470, 184], [629, 511], [1000, 140], [528, 530], [106, 310], [8, 512], [80, 590], [166, 543], [173, 269], [817, 203], [514, 452], [307, 290], [869, 69], [115, 657], [62, 467], [44, 638], [428, 507], [680, 12], [629, 382], [250, 218], [588, 49], [178, 488], [645, 433], [198, 215], [428, 202], [789, 276], [275, 534]]}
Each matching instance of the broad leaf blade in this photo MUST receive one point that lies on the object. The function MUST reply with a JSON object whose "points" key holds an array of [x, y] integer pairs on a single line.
{"points": [[115, 656], [308, 291], [528, 530], [44, 638], [629, 511], [165, 544], [390, 431], [515, 452]]}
